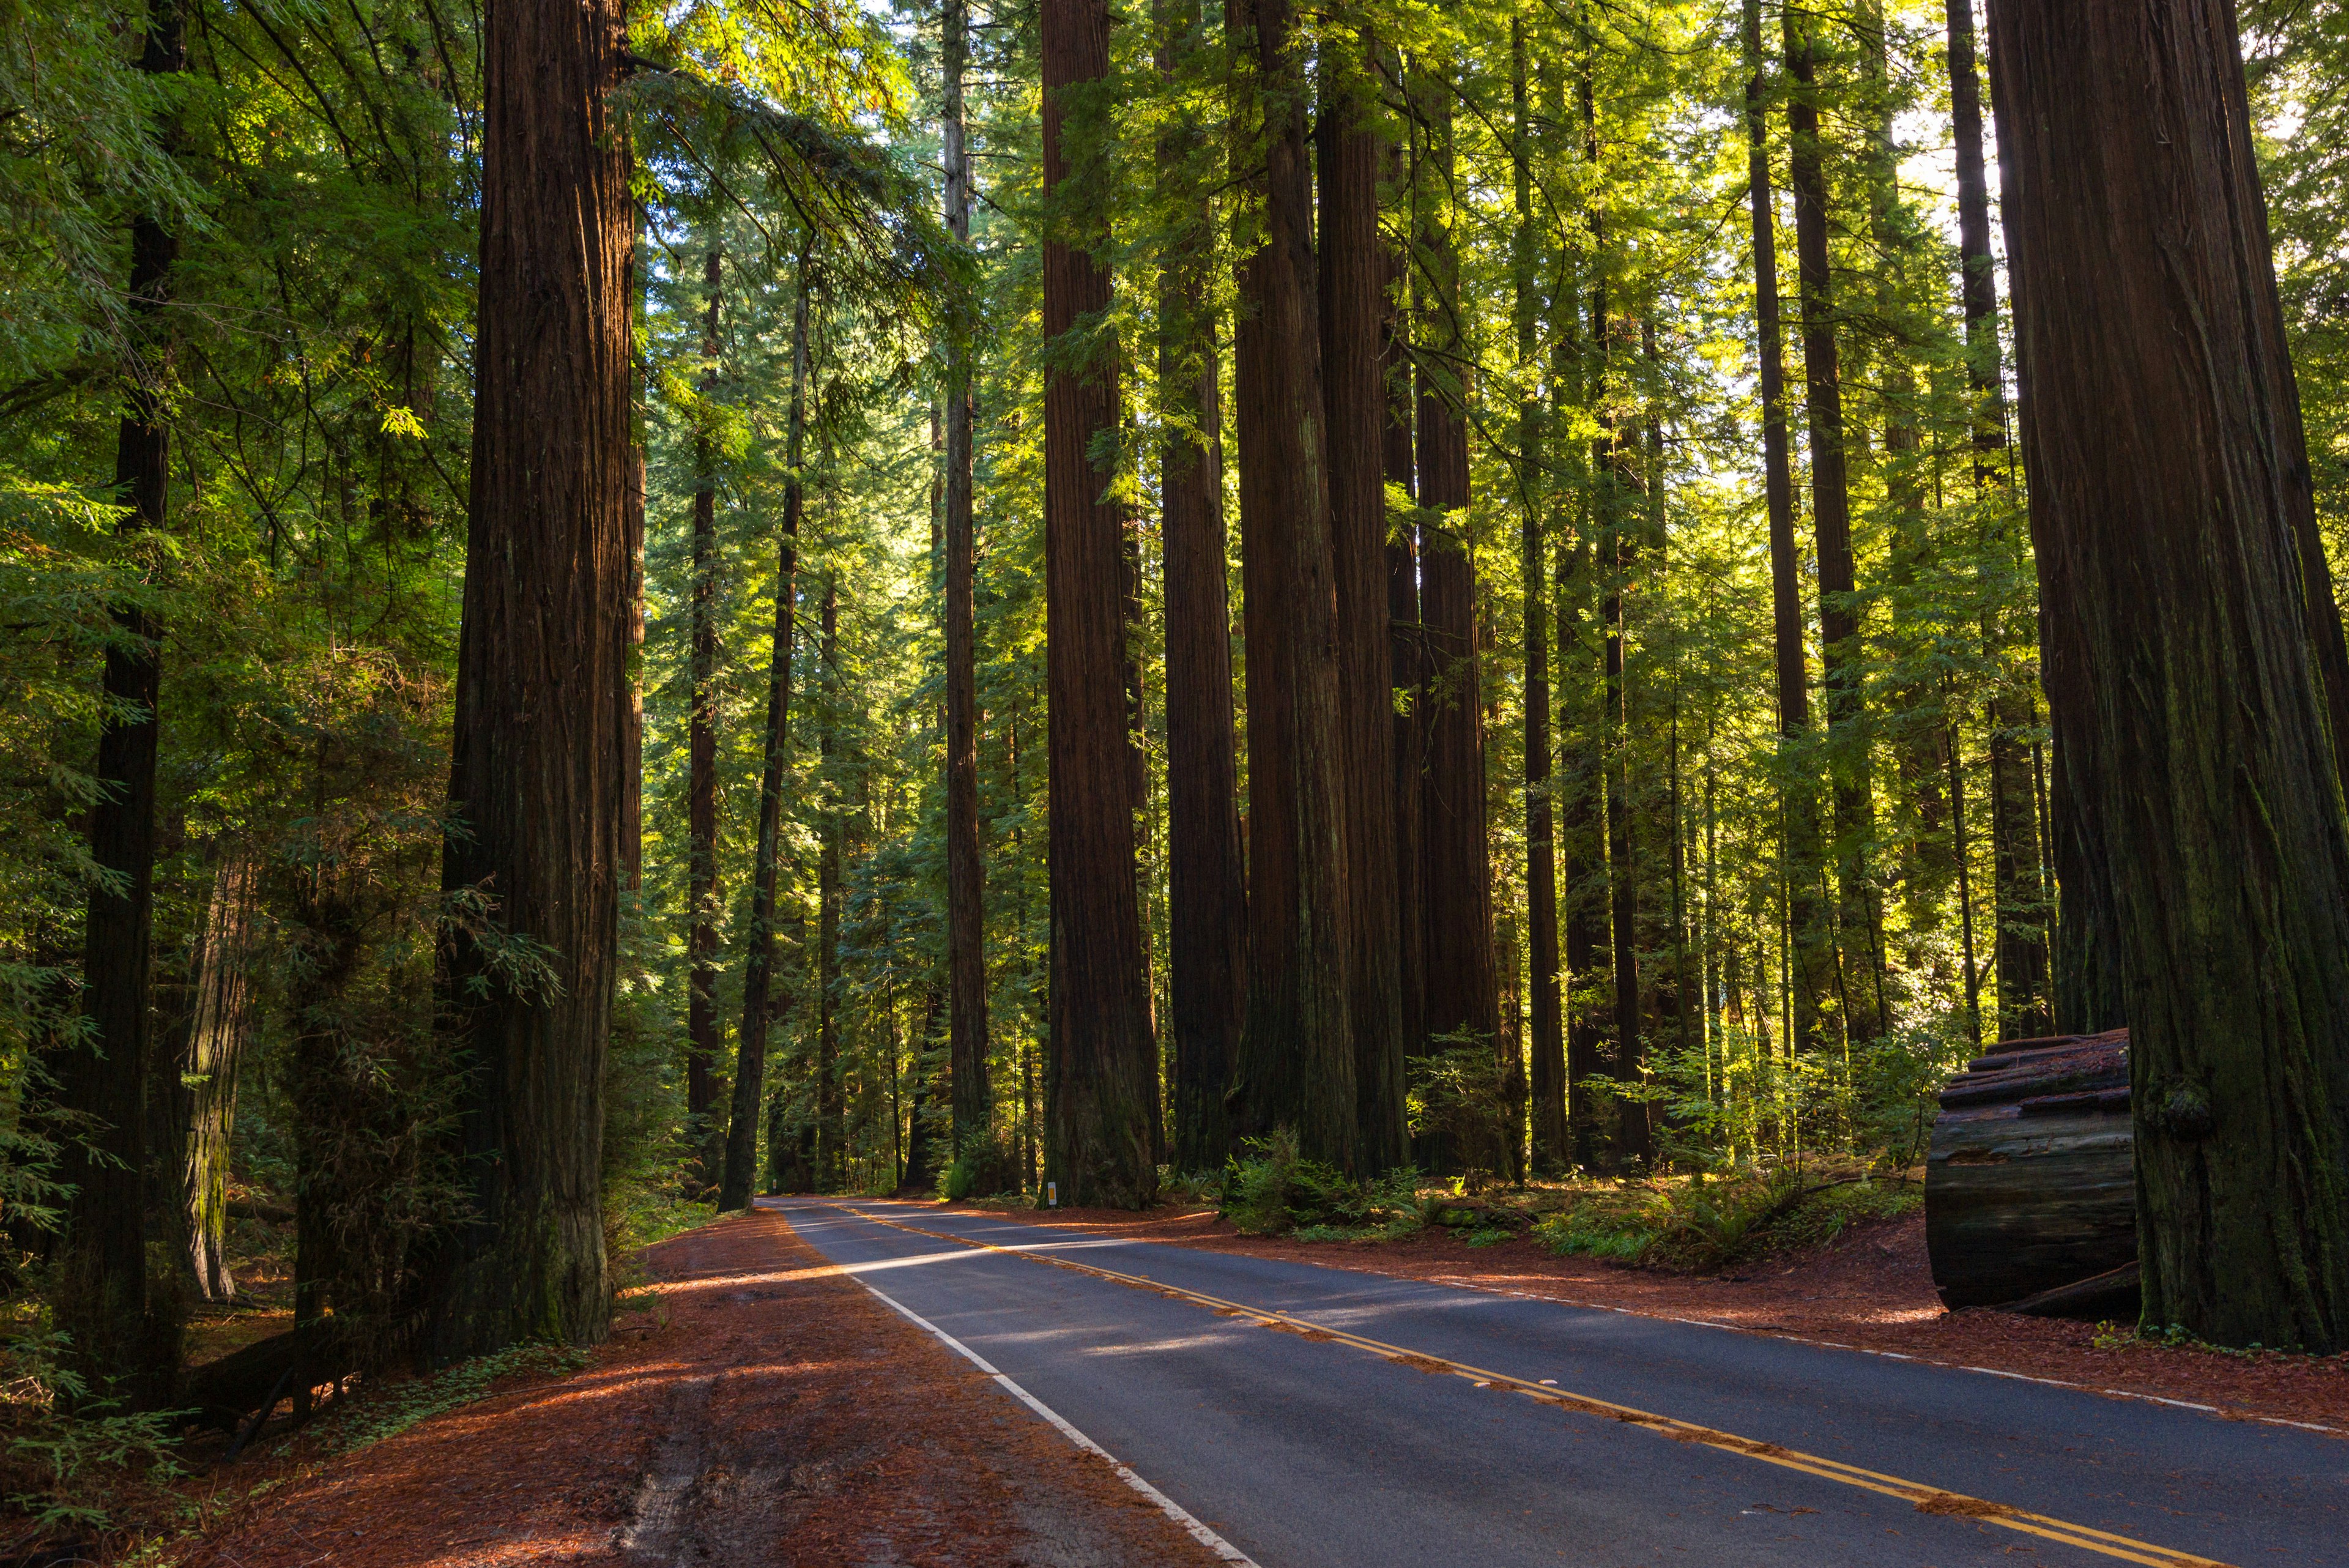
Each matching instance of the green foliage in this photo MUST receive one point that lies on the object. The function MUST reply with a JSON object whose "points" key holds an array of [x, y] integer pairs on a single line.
{"points": [[72, 1437], [1693, 1224], [1456, 1098], [1273, 1190]]}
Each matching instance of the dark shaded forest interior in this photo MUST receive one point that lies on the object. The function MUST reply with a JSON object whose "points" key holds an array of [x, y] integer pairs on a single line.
{"points": [[1318, 611]]}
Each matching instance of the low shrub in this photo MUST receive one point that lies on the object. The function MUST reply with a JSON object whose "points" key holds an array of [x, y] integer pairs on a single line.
{"points": [[1276, 1192], [1692, 1226]]}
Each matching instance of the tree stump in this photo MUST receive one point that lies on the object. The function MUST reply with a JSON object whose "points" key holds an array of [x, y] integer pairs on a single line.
{"points": [[2030, 1184]]}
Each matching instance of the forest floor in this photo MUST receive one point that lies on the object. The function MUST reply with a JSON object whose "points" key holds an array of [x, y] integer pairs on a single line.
{"points": [[753, 1405], [1869, 1288]]}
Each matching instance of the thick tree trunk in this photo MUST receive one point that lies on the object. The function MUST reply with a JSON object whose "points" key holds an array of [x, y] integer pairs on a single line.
{"points": [[1206, 870], [1463, 978], [1546, 1069], [1840, 652], [701, 1027], [537, 782], [1352, 277], [1101, 1093], [1297, 1065], [2156, 425], [102, 1294], [766, 866], [966, 1030], [219, 1022], [831, 1120]]}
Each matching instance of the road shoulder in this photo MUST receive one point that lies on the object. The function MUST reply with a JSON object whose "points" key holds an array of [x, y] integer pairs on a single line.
{"points": [[755, 1405]]}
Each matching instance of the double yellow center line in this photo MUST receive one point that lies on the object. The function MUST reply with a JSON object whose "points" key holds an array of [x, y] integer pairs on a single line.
{"points": [[1925, 1499]]}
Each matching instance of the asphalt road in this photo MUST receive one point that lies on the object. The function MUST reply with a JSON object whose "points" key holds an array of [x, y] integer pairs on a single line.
{"points": [[1304, 1452]]}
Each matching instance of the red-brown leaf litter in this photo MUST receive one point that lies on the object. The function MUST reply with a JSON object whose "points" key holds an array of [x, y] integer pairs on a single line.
{"points": [[758, 1405]]}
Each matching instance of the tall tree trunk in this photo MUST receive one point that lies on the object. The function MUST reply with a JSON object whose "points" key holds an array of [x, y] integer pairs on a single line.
{"points": [[1206, 871], [2020, 942], [102, 1294], [831, 1122], [1352, 278], [1839, 647], [967, 1032], [1463, 978], [221, 1021], [1613, 483], [701, 1027], [759, 963], [537, 783], [2159, 425], [1786, 583], [1619, 543], [2020, 939], [1297, 1064], [1101, 1091], [1546, 1070]]}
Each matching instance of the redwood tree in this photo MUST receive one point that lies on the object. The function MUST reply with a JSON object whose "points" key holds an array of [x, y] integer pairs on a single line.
{"points": [[2021, 936], [1206, 872], [2158, 428], [775, 738], [1839, 651], [1297, 1066], [1463, 980], [1351, 279], [537, 768], [1786, 584], [102, 1294], [1546, 1069], [966, 890], [1102, 1100]]}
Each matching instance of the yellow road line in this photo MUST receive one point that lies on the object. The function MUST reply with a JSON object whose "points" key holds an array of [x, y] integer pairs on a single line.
{"points": [[1925, 1499]]}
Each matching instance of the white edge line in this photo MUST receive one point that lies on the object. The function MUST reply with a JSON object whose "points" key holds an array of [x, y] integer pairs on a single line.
{"points": [[1455, 1284], [1223, 1549]]}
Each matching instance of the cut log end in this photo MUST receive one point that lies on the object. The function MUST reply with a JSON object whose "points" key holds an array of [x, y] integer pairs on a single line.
{"points": [[2030, 1187]]}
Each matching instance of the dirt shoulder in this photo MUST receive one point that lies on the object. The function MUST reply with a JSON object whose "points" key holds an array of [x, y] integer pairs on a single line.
{"points": [[1870, 1288], [757, 1405]]}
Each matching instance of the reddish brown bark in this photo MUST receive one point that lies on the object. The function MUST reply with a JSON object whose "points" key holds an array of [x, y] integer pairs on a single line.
{"points": [[537, 765], [1841, 657], [1296, 1050], [1102, 1089], [1351, 279], [1206, 871], [1463, 980], [2020, 935], [2166, 463]]}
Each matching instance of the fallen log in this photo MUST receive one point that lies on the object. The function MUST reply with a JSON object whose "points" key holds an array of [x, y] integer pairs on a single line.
{"points": [[2029, 1186], [2111, 1295], [222, 1392]]}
